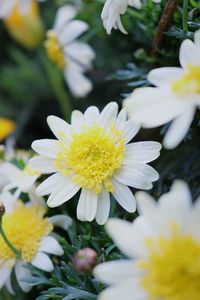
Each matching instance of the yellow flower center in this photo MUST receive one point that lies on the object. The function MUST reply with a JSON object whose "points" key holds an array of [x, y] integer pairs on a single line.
{"points": [[92, 157], [172, 269], [54, 49], [189, 83], [6, 128], [24, 228]]}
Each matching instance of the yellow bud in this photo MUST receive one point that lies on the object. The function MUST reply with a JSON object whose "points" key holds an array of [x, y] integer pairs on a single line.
{"points": [[6, 128], [26, 28]]}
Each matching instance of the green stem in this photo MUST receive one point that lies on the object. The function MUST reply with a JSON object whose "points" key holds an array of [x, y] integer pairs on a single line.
{"points": [[10, 245], [56, 81], [185, 15]]}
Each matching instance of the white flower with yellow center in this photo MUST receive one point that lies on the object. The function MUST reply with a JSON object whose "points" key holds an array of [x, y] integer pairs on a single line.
{"points": [[163, 247], [7, 6], [176, 96], [93, 154], [29, 232], [112, 11], [71, 56]]}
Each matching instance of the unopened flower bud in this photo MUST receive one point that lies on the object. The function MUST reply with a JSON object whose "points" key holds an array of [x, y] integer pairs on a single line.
{"points": [[85, 260], [25, 27]]}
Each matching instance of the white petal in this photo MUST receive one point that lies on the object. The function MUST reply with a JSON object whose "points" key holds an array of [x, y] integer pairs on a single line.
{"points": [[64, 191], [132, 177], [124, 196], [114, 272], [126, 291], [129, 130], [5, 272], [71, 31], [81, 53], [49, 245], [9, 286], [103, 207], [61, 221], [58, 126], [109, 114], [46, 147], [164, 76], [77, 119], [87, 205], [42, 262], [22, 273], [78, 83], [8, 201], [142, 152], [64, 15], [121, 118], [48, 185], [153, 107], [24, 183], [121, 232], [179, 128], [189, 54], [149, 172], [197, 38], [145, 203], [91, 115], [42, 164]]}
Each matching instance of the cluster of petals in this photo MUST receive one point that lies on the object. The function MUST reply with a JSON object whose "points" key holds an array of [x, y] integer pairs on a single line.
{"points": [[47, 245], [172, 219], [133, 171], [175, 97]]}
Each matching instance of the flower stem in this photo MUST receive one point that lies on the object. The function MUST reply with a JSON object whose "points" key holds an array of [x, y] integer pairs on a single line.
{"points": [[185, 15], [55, 79], [6, 240]]}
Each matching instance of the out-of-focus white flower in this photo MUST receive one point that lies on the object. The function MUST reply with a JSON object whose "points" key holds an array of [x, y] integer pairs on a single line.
{"points": [[93, 154], [72, 56], [29, 232], [6, 6], [112, 11], [163, 247], [176, 96]]}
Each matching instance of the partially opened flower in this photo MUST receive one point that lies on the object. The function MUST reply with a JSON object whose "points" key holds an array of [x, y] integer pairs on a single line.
{"points": [[112, 11], [175, 98], [163, 250], [29, 232], [6, 128], [24, 23], [93, 154], [71, 56]]}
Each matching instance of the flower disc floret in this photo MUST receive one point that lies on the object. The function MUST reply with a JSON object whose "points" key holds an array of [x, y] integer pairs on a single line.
{"points": [[93, 156], [172, 271], [25, 226]]}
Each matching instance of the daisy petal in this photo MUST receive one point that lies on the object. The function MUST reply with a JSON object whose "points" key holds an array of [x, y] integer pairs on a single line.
{"points": [[61, 221], [103, 207], [108, 114], [179, 128], [58, 126], [129, 130], [22, 273], [87, 205], [51, 246], [124, 196], [164, 76], [42, 164], [42, 262], [189, 54], [46, 147], [141, 152]]}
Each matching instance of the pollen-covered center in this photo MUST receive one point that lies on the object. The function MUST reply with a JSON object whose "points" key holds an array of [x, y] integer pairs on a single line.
{"points": [[24, 228], [189, 83], [54, 49], [172, 269], [92, 157]]}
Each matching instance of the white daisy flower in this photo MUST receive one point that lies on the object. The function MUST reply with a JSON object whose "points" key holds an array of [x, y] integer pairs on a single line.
{"points": [[175, 98], [112, 11], [163, 247], [29, 232], [7, 6], [72, 56], [93, 154]]}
